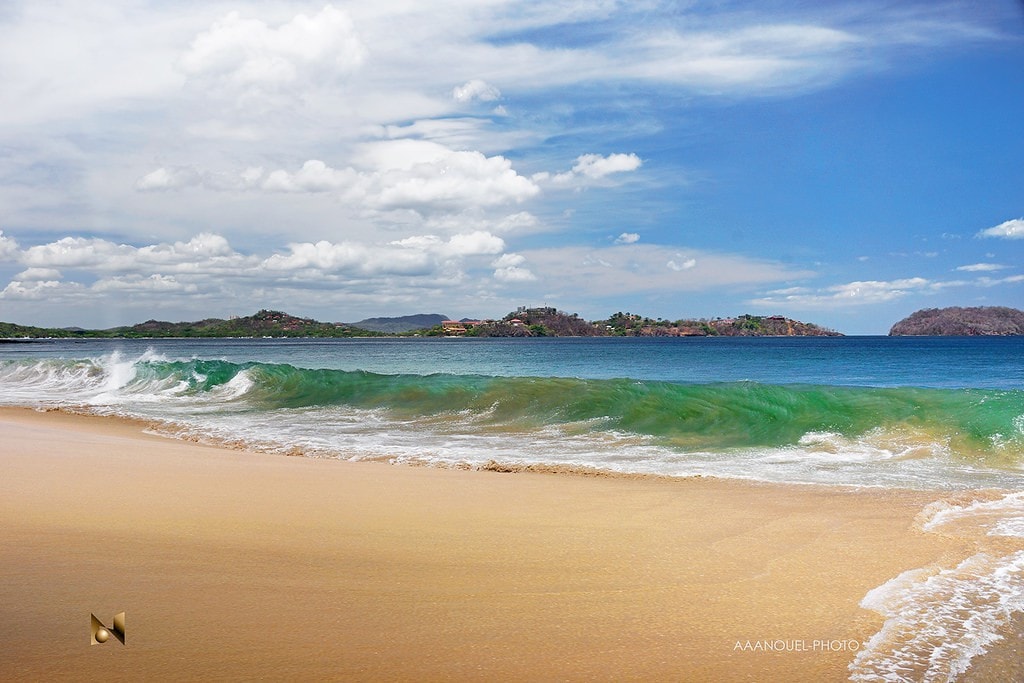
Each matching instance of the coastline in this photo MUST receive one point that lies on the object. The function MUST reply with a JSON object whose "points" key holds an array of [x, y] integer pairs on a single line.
{"points": [[233, 564]]}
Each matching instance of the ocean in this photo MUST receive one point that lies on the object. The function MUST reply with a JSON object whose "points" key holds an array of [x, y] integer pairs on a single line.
{"points": [[934, 414]]}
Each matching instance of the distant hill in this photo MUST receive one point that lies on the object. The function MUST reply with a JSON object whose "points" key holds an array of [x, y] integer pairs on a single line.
{"points": [[523, 322], [12, 331], [262, 324], [957, 321], [405, 323]]}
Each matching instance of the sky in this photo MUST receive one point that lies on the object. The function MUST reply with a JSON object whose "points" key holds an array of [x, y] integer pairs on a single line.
{"points": [[844, 163]]}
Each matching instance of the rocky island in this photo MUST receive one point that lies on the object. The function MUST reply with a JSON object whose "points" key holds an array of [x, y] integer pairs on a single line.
{"points": [[964, 322]]}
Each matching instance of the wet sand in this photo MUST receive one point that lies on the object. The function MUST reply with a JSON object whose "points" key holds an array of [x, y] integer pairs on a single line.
{"points": [[233, 565]]}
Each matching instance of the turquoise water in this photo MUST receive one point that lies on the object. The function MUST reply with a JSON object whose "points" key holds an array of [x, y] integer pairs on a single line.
{"points": [[953, 362], [938, 414], [861, 411]]}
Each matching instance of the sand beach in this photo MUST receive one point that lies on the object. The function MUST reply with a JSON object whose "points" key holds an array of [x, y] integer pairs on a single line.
{"points": [[240, 565]]}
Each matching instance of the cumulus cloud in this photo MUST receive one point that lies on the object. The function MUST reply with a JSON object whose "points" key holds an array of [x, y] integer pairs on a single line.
{"points": [[247, 53], [415, 255], [38, 274], [8, 247], [474, 243], [419, 175], [363, 140], [314, 176], [597, 166], [506, 260], [593, 167], [514, 274], [76, 252], [476, 90], [165, 178], [164, 265], [508, 268], [456, 180], [204, 252], [1012, 230], [40, 290], [628, 238], [207, 265]]}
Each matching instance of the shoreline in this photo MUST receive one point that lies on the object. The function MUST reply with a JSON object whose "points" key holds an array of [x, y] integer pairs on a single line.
{"points": [[239, 564]]}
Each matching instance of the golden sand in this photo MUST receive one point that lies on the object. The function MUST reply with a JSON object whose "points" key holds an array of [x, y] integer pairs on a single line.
{"points": [[233, 565]]}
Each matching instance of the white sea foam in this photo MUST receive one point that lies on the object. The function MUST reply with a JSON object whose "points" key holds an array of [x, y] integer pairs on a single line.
{"points": [[938, 620], [1001, 517]]}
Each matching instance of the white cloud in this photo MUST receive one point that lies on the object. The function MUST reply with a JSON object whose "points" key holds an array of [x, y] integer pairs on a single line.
{"points": [[868, 292], [342, 128], [507, 268], [476, 90], [8, 247], [37, 274], [463, 133], [214, 129], [859, 293], [205, 252], [685, 264], [981, 267], [135, 284], [514, 274], [520, 223], [245, 53], [174, 178], [994, 282], [66, 60], [597, 166], [593, 167], [418, 255], [628, 238], [507, 260], [1012, 229], [314, 176], [168, 179], [419, 175], [760, 57], [474, 243], [76, 252], [40, 290], [207, 266], [453, 181]]}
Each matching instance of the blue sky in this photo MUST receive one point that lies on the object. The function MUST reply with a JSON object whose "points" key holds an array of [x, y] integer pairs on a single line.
{"points": [[844, 164]]}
